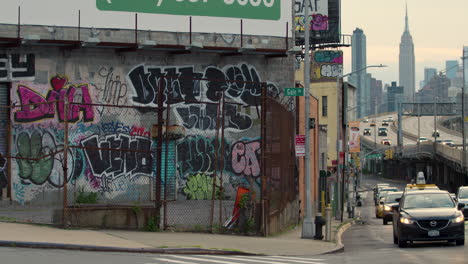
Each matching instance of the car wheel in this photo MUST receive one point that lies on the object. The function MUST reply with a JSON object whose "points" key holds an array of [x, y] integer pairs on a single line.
{"points": [[385, 222], [402, 243], [460, 242]]}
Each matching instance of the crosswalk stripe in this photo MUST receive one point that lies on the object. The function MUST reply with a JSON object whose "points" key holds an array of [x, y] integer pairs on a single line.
{"points": [[267, 260], [206, 260], [306, 261], [172, 261], [284, 257], [248, 259]]}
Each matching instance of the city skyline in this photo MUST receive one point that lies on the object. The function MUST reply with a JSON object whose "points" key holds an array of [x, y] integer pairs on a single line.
{"points": [[436, 39]]}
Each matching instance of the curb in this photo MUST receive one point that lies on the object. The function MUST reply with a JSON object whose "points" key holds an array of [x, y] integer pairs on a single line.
{"points": [[191, 251], [338, 237]]}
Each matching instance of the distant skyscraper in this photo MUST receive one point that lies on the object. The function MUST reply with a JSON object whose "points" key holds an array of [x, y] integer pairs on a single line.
{"points": [[451, 68], [407, 64], [429, 73], [359, 61], [394, 97]]}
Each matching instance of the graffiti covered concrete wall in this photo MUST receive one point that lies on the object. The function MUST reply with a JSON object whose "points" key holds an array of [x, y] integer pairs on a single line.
{"points": [[89, 79]]}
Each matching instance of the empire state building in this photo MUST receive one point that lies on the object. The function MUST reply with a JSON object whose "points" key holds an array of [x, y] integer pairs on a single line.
{"points": [[407, 65]]}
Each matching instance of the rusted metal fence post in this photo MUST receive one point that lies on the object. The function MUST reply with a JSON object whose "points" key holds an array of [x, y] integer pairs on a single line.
{"points": [[159, 150], [221, 189], [166, 153], [65, 161], [213, 191], [263, 163]]}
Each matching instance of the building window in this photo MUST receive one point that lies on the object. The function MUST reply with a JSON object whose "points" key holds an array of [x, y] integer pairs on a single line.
{"points": [[324, 106]]}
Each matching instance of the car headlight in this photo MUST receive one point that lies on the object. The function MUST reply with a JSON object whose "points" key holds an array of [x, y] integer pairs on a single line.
{"points": [[405, 220], [387, 208], [458, 219]]}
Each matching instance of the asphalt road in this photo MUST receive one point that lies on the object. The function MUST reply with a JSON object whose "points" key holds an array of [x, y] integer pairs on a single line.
{"points": [[426, 126], [368, 241], [390, 135]]}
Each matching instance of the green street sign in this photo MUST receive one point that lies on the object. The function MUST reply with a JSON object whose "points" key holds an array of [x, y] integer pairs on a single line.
{"points": [[374, 156], [252, 9], [295, 91]]}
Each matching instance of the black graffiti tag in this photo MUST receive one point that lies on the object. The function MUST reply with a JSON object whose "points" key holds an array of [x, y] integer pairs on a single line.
{"points": [[17, 67], [109, 161]]}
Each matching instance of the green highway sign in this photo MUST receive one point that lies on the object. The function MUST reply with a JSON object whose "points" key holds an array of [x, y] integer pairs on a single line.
{"points": [[374, 156], [295, 91], [252, 9]]}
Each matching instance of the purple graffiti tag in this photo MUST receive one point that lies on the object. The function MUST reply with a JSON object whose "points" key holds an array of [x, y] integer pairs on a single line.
{"points": [[75, 109], [319, 22], [78, 95], [30, 113], [244, 158]]}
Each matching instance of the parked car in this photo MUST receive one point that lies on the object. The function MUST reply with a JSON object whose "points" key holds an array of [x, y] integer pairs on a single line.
{"points": [[428, 216], [367, 132], [386, 141], [372, 124], [383, 131]]}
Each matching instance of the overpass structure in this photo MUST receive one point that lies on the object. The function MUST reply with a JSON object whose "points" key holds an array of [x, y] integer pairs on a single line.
{"points": [[445, 165]]}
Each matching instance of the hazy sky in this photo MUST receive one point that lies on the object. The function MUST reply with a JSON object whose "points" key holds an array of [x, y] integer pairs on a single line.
{"points": [[439, 30]]}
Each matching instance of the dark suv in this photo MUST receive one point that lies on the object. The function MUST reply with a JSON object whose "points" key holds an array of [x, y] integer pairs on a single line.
{"points": [[428, 216]]}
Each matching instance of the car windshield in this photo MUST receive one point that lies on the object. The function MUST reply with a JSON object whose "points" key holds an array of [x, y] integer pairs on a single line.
{"points": [[391, 197], [448, 140], [428, 200], [463, 193], [422, 138]]}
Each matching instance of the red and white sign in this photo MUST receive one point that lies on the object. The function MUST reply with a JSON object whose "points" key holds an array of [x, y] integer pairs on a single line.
{"points": [[300, 145]]}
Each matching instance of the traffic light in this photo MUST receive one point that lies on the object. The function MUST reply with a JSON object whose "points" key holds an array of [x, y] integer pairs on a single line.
{"points": [[388, 154]]}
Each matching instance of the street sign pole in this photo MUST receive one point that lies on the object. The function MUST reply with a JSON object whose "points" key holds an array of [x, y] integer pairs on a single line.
{"points": [[308, 226]]}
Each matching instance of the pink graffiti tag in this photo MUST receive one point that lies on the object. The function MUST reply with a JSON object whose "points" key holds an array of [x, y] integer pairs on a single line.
{"points": [[319, 22], [244, 158], [35, 107], [139, 131]]}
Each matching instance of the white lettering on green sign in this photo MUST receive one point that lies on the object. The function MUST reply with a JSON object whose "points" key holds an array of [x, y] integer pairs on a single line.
{"points": [[253, 9]]}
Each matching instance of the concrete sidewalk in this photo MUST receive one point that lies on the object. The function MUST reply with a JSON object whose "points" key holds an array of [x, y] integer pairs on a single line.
{"points": [[286, 244]]}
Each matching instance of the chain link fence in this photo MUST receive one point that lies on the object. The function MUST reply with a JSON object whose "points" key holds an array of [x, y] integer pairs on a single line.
{"points": [[196, 159]]}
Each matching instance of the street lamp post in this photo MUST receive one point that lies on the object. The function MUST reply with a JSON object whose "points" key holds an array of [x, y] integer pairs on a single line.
{"points": [[308, 226], [339, 143]]}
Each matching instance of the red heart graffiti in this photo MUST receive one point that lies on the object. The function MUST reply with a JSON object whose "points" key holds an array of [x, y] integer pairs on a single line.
{"points": [[58, 82]]}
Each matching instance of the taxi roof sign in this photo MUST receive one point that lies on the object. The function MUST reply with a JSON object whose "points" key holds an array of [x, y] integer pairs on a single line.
{"points": [[421, 187]]}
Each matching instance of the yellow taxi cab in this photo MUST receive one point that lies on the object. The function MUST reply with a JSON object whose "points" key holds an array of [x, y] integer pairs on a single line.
{"points": [[379, 208], [420, 184]]}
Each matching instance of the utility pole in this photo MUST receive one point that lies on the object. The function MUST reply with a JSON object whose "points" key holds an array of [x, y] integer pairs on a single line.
{"points": [[464, 59], [308, 226]]}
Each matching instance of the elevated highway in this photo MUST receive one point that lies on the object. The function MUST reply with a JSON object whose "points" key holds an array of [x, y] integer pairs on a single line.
{"points": [[439, 161]]}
